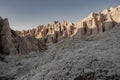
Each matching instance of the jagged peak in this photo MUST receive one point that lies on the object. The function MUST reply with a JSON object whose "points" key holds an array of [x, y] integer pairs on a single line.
{"points": [[0, 17], [96, 20], [6, 20], [65, 29]]}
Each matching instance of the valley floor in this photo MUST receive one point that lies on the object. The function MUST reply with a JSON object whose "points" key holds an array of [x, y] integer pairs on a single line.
{"points": [[96, 58]]}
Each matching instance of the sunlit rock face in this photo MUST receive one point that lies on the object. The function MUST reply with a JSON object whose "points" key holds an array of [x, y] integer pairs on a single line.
{"points": [[52, 32], [93, 24]]}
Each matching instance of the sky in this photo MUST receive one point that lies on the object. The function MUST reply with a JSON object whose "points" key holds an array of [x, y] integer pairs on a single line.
{"points": [[27, 14]]}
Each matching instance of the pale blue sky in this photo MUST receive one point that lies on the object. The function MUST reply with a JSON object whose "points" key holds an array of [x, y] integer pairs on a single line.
{"points": [[26, 14]]}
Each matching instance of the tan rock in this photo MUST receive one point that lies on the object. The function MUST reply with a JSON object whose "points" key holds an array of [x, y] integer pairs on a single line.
{"points": [[93, 24]]}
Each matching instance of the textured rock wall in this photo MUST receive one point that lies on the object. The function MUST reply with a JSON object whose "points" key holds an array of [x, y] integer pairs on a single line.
{"points": [[12, 43], [6, 45], [30, 40], [93, 24], [52, 32]]}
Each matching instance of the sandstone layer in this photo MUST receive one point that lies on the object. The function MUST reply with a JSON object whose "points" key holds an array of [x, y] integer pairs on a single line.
{"points": [[93, 24]]}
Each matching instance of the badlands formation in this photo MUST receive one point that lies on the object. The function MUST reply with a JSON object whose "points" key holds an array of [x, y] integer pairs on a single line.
{"points": [[85, 50]]}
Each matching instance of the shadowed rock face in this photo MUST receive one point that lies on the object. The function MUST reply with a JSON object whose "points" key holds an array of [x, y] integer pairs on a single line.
{"points": [[11, 42], [29, 44], [6, 45]]}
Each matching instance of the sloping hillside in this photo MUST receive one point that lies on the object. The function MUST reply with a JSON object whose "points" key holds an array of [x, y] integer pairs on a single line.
{"points": [[96, 58]]}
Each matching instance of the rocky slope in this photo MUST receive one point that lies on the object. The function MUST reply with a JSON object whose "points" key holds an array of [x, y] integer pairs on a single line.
{"points": [[96, 58], [86, 50], [12, 43]]}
